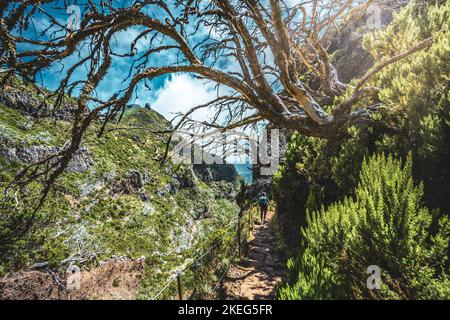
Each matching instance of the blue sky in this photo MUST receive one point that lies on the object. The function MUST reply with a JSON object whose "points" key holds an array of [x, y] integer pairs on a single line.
{"points": [[168, 94]]}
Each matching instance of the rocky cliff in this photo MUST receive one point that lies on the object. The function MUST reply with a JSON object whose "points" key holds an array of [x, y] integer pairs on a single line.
{"points": [[350, 58]]}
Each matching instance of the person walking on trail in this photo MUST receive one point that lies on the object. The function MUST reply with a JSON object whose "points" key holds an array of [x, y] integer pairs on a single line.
{"points": [[263, 204]]}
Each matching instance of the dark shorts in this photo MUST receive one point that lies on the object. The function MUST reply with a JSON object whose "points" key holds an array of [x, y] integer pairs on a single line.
{"points": [[263, 208]]}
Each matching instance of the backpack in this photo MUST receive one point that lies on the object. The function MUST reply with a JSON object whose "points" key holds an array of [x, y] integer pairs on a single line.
{"points": [[263, 201]]}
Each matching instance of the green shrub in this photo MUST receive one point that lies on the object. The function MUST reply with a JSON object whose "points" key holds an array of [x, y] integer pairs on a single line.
{"points": [[385, 225], [414, 117], [24, 233], [416, 93]]}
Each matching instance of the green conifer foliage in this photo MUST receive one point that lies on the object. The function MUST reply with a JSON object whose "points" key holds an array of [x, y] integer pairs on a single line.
{"points": [[385, 225], [414, 117]]}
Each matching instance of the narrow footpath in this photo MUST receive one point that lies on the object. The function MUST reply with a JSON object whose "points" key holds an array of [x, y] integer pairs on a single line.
{"points": [[257, 276]]}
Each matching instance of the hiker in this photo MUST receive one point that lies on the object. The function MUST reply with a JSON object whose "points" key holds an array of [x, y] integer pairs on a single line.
{"points": [[263, 204]]}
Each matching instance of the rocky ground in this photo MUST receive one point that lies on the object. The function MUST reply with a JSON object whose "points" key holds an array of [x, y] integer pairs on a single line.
{"points": [[256, 278], [116, 279]]}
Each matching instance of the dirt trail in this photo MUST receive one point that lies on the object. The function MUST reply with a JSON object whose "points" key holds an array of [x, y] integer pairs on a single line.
{"points": [[256, 277]]}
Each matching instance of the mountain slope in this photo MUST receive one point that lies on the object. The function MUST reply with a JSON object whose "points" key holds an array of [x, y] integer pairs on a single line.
{"points": [[114, 200]]}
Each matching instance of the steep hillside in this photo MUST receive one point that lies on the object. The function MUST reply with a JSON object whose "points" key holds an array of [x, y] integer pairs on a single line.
{"points": [[115, 200]]}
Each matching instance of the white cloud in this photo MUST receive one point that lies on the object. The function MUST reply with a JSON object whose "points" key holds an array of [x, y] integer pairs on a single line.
{"points": [[180, 93], [124, 38]]}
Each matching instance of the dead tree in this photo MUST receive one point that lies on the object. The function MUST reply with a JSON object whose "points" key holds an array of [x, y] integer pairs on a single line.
{"points": [[282, 72]]}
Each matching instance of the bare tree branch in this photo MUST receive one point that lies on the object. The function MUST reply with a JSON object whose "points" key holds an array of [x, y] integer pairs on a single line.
{"points": [[269, 62]]}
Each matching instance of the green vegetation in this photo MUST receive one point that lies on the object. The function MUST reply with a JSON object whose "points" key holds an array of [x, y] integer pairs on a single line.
{"points": [[123, 204], [414, 117], [374, 214], [385, 225], [378, 197]]}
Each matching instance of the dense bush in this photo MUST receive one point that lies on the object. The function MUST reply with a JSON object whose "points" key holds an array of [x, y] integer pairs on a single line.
{"points": [[381, 221], [416, 95], [385, 225], [414, 118]]}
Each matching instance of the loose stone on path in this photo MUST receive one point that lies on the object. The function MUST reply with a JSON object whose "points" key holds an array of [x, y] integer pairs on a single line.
{"points": [[258, 276]]}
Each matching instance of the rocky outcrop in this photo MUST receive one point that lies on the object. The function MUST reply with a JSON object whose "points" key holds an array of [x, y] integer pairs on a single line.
{"points": [[33, 106], [201, 212], [350, 58], [82, 160], [134, 105], [216, 172], [225, 190], [132, 182], [186, 180]]}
